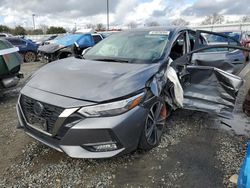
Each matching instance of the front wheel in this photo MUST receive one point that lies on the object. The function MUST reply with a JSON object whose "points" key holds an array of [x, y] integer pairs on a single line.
{"points": [[30, 56], [154, 125]]}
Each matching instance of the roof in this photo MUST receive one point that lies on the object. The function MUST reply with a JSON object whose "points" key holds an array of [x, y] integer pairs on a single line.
{"points": [[70, 39]]}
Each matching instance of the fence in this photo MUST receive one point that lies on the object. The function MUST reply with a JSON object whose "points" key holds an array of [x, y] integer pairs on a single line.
{"points": [[225, 27], [37, 37], [216, 27]]}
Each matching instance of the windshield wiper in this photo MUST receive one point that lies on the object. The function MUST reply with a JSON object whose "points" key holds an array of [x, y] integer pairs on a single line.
{"points": [[113, 60]]}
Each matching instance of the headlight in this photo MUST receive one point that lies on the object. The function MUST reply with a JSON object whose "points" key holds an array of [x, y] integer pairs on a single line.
{"points": [[113, 108]]}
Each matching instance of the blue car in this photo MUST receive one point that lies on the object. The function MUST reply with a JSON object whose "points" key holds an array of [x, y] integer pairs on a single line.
{"points": [[27, 48], [71, 44]]}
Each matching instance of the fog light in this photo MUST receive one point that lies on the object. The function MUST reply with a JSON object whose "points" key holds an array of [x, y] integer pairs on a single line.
{"points": [[105, 147]]}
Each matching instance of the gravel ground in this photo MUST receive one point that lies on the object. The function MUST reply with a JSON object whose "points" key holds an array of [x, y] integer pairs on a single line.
{"points": [[195, 151]]}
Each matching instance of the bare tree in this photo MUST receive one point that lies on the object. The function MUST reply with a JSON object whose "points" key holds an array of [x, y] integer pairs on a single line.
{"points": [[213, 19], [245, 19], [152, 23], [44, 28], [179, 22], [90, 26], [132, 25], [100, 27]]}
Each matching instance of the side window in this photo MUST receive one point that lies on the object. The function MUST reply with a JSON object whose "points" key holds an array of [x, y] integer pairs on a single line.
{"points": [[5, 44], [15, 42], [191, 36], [179, 47], [214, 39], [22, 42], [97, 38]]}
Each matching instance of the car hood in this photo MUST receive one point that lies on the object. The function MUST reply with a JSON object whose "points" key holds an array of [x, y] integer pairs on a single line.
{"points": [[50, 48], [95, 81]]}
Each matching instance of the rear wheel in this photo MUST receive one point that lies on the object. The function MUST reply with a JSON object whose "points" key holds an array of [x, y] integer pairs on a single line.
{"points": [[154, 125], [30, 56]]}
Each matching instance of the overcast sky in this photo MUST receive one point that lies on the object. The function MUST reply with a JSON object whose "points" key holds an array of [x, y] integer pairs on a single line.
{"points": [[82, 12]]}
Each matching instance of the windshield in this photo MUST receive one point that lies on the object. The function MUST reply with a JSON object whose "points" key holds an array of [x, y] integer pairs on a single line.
{"points": [[133, 47]]}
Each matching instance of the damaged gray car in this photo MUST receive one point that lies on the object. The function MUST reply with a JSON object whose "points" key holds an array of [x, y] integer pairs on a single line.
{"points": [[117, 96]]}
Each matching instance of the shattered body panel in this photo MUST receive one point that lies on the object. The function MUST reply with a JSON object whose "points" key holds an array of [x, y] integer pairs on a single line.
{"points": [[211, 90], [231, 62]]}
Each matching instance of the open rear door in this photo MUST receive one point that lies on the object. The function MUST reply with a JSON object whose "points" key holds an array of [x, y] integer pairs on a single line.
{"points": [[211, 90], [206, 87], [227, 59]]}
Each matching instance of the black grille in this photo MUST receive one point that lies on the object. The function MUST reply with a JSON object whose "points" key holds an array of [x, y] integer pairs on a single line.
{"points": [[50, 113]]}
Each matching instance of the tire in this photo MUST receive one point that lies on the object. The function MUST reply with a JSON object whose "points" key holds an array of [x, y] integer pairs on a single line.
{"points": [[29, 56], [154, 125]]}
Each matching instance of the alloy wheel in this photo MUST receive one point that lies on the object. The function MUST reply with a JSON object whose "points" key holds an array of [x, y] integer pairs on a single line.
{"points": [[30, 56], [155, 123]]}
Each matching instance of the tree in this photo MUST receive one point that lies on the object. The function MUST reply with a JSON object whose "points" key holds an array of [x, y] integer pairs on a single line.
{"points": [[179, 22], [132, 25], [44, 28], [153, 23], [100, 27], [4, 29], [19, 30], [55, 30], [34, 32], [90, 26], [213, 19], [245, 19]]}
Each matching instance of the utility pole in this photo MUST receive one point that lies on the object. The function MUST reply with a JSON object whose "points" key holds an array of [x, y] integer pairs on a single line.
{"points": [[107, 15], [33, 18]]}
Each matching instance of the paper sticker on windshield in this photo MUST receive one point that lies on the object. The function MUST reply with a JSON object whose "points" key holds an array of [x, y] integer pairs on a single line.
{"points": [[159, 32]]}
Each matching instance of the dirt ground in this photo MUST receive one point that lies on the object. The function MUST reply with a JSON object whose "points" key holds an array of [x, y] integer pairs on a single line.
{"points": [[196, 151]]}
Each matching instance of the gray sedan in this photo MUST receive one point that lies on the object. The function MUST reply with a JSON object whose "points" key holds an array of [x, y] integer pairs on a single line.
{"points": [[117, 96]]}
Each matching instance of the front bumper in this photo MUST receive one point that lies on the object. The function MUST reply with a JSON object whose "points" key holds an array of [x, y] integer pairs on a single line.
{"points": [[46, 57], [79, 140]]}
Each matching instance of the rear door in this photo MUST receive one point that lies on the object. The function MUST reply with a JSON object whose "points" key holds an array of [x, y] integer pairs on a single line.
{"points": [[229, 60], [211, 90], [207, 88]]}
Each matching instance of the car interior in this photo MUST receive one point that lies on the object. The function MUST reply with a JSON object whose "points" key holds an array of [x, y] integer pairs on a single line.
{"points": [[178, 48]]}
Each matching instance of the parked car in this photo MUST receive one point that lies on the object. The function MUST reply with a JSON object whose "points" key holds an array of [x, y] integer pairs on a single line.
{"points": [[71, 44], [10, 62], [55, 39], [27, 48], [5, 35], [44, 39], [117, 97]]}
